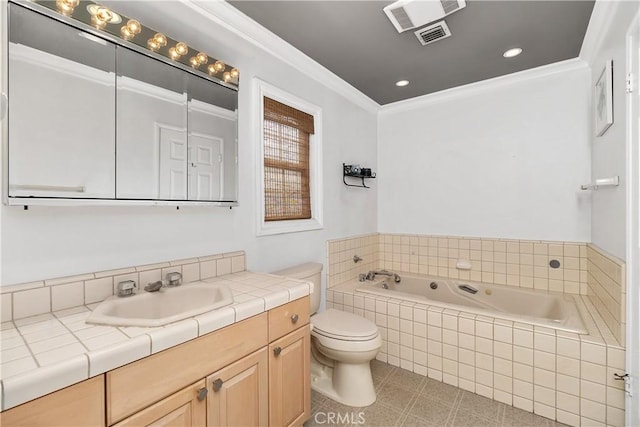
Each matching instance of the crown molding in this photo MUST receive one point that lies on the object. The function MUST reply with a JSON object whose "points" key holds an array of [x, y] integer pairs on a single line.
{"points": [[485, 85], [604, 12], [230, 18]]}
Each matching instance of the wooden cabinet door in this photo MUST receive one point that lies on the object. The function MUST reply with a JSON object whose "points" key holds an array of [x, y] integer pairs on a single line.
{"points": [[238, 394], [289, 379], [185, 408]]}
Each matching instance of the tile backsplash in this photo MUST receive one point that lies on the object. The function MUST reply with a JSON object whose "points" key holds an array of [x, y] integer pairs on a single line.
{"points": [[607, 291], [521, 263], [30, 299]]}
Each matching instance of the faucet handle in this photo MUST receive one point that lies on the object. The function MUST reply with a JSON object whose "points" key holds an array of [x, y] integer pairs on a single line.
{"points": [[174, 278], [126, 288]]}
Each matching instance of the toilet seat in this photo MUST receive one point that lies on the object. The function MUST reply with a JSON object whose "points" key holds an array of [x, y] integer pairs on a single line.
{"points": [[340, 325]]}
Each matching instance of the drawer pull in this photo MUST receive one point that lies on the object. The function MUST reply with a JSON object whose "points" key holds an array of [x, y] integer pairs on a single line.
{"points": [[294, 318], [277, 351], [217, 384], [202, 394]]}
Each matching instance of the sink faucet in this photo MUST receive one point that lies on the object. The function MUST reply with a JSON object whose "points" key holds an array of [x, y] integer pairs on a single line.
{"points": [[153, 287], [174, 278], [371, 275], [126, 288]]}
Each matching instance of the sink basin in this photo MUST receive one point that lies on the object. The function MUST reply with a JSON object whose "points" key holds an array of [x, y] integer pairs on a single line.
{"points": [[168, 305]]}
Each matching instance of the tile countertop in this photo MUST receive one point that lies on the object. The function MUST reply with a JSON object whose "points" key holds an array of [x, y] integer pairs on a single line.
{"points": [[45, 353]]}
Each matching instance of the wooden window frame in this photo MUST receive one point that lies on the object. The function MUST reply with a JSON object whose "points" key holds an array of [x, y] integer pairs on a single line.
{"points": [[263, 89]]}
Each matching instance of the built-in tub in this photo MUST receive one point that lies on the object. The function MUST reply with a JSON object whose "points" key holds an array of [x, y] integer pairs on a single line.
{"points": [[548, 309]]}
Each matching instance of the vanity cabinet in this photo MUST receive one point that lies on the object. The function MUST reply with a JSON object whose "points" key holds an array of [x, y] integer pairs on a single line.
{"points": [[81, 405], [186, 408], [253, 373]]}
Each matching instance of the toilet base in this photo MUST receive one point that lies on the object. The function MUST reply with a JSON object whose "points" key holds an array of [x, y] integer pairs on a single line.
{"points": [[346, 383]]}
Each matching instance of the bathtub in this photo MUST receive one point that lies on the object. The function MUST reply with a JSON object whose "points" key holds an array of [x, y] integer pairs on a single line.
{"points": [[548, 309]]}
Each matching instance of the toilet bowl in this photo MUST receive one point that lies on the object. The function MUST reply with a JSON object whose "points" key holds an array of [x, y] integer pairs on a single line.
{"points": [[342, 347]]}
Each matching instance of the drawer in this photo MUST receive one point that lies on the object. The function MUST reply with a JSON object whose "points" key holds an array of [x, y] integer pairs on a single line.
{"points": [[139, 384], [288, 317]]}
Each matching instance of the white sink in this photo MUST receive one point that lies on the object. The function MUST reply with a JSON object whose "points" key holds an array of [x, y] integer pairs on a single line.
{"points": [[168, 305]]}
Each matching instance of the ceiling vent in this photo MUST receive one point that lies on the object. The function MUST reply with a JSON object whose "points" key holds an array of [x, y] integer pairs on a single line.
{"points": [[408, 14], [433, 33]]}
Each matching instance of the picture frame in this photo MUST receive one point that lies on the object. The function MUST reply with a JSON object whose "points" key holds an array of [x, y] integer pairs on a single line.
{"points": [[603, 99]]}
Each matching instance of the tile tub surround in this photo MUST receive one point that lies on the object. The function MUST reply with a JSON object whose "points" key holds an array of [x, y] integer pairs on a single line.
{"points": [[44, 353], [554, 374], [607, 291], [523, 263], [31, 299]]}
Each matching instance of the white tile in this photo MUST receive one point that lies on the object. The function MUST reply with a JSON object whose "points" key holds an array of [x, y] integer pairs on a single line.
{"points": [[216, 319], [223, 266], [544, 360], [173, 334], [569, 348], [298, 291], [484, 329], [15, 353], [545, 342], [568, 418], [98, 290], [523, 389], [67, 312], [67, 296], [190, 273], [52, 343], [568, 384], [503, 350], [28, 321], [105, 340], [38, 382], [523, 403], [594, 353], [594, 373], [31, 302], [544, 378], [119, 354], [593, 391], [135, 331], [503, 334], [237, 264], [6, 313], [523, 372], [523, 338], [547, 411], [7, 342], [58, 355], [275, 298], [523, 355], [17, 366], [93, 331], [593, 410], [568, 366], [248, 308], [615, 358], [52, 331]]}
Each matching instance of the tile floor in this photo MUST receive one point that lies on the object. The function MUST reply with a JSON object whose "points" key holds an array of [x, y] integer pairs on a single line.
{"points": [[408, 399]]}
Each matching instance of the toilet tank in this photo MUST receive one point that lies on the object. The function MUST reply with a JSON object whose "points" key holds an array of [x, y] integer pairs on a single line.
{"points": [[309, 272]]}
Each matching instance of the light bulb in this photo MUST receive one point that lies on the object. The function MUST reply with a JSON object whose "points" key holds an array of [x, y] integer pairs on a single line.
{"points": [[153, 45], [160, 39], [512, 52], [66, 7], [212, 69], [173, 54], [194, 62], [226, 76], [182, 49], [235, 73], [219, 66], [101, 16], [134, 26], [202, 58], [126, 33]]}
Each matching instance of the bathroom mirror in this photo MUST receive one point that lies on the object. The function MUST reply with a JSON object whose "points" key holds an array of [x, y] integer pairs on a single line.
{"points": [[92, 119], [61, 110]]}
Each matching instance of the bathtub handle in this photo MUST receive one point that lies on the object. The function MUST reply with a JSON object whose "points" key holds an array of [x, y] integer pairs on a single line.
{"points": [[468, 288]]}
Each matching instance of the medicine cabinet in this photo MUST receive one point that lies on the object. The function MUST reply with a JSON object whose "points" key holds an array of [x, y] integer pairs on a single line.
{"points": [[92, 120]]}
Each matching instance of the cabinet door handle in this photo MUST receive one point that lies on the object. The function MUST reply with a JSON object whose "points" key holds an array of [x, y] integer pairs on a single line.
{"points": [[277, 351], [202, 394], [217, 384], [294, 318]]}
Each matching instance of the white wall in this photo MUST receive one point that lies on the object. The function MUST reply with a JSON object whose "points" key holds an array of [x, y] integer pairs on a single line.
{"points": [[608, 228], [47, 242], [503, 158]]}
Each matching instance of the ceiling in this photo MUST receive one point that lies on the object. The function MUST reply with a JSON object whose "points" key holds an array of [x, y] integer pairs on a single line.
{"points": [[356, 41]]}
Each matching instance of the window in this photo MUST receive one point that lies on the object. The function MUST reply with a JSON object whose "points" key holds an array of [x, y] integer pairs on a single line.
{"points": [[289, 162]]}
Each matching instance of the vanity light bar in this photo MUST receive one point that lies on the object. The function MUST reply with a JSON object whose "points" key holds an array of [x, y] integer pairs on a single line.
{"points": [[130, 30]]}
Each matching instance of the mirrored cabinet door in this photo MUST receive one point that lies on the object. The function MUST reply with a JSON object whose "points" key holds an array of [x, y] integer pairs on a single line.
{"points": [[212, 141], [151, 129], [61, 110]]}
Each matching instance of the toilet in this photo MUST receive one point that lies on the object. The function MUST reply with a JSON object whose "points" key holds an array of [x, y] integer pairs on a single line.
{"points": [[342, 346]]}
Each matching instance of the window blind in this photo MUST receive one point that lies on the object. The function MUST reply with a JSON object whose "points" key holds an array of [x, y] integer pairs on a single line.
{"points": [[286, 133]]}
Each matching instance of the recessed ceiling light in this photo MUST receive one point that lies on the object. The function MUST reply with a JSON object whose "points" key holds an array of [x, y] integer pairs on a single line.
{"points": [[401, 83], [512, 52]]}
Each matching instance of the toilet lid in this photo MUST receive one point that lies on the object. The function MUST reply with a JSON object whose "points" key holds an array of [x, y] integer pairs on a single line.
{"points": [[343, 326]]}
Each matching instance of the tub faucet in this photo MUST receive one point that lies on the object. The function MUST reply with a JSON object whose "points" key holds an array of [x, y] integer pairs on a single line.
{"points": [[371, 275]]}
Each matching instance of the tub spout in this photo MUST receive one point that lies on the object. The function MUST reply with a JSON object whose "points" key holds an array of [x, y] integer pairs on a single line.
{"points": [[371, 275]]}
